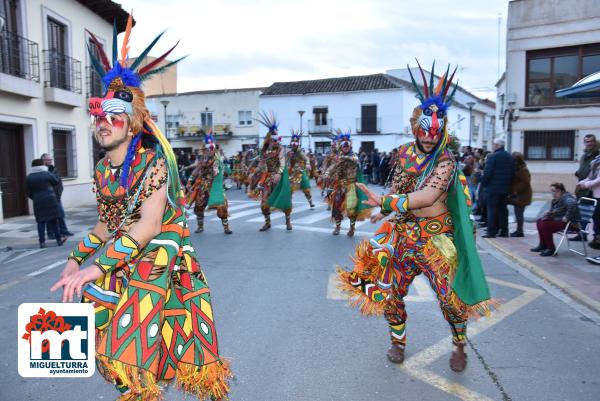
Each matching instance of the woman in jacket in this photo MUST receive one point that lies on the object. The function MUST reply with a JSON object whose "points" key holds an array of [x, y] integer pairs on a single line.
{"points": [[40, 188], [562, 210], [520, 191], [592, 183]]}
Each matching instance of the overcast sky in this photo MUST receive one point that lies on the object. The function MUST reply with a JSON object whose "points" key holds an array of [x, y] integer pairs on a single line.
{"points": [[253, 43]]}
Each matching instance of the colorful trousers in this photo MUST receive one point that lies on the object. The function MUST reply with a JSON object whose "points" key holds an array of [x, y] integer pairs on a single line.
{"points": [[435, 257]]}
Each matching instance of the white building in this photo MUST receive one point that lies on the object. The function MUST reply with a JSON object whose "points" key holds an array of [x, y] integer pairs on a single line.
{"points": [[376, 108], [229, 113], [45, 79], [551, 44]]}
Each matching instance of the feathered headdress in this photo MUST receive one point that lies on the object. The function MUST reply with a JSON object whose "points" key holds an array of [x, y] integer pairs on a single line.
{"points": [[342, 138], [209, 140], [270, 122], [437, 95], [296, 138], [124, 95]]}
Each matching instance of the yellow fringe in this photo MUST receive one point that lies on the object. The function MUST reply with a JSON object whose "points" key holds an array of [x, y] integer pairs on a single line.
{"points": [[141, 383], [207, 382]]}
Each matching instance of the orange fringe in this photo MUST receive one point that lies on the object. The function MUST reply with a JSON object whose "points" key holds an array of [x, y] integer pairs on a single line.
{"points": [[357, 298], [207, 382]]}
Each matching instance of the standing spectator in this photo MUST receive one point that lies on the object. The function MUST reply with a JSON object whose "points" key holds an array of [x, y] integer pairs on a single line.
{"points": [[468, 169], [592, 183], [58, 190], [375, 160], [591, 150], [563, 209], [520, 191], [497, 176], [40, 188]]}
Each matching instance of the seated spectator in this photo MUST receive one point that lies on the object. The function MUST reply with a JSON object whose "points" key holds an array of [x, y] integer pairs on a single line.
{"points": [[563, 210]]}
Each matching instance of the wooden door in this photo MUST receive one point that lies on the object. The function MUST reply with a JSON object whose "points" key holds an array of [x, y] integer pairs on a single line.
{"points": [[12, 171]]}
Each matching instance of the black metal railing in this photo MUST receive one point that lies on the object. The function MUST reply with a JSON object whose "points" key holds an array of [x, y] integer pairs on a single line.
{"points": [[95, 88], [320, 126], [371, 125], [62, 71], [19, 56]]}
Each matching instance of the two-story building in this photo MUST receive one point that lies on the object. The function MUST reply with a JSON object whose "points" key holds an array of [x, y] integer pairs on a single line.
{"points": [[45, 79], [551, 44], [376, 108], [229, 113]]}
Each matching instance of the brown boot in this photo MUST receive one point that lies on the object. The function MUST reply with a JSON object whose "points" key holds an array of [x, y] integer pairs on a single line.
{"points": [[396, 353], [200, 227], [458, 360], [267, 224], [351, 230], [288, 223], [337, 230], [226, 229]]}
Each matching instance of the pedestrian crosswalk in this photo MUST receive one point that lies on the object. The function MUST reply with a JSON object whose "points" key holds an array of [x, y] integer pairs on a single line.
{"points": [[419, 291]]}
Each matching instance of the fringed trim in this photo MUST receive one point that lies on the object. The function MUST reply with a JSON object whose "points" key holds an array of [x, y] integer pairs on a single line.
{"points": [[364, 214], [356, 297], [140, 382], [209, 382], [483, 308], [255, 194], [365, 263]]}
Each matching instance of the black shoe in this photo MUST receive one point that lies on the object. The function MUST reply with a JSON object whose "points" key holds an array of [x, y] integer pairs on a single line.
{"points": [[538, 248], [67, 234], [547, 252], [505, 235], [517, 234], [61, 241], [594, 261], [42, 245], [488, 236]]}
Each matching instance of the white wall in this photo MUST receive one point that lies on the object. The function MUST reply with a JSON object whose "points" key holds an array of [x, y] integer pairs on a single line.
{"points": [[343, 109]]}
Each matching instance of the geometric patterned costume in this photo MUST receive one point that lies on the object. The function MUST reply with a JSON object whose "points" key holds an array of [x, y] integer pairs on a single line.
{"points": [[154, 320], [297, 164], [206, 186], [440, 245]]}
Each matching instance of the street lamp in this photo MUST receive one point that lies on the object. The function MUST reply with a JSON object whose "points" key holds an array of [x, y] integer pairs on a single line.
{"points": [[301, 113], [470, 104], [165, 103]]}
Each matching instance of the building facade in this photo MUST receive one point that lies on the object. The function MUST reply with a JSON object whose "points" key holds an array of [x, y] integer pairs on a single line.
{"points": [[551, 44], [229, 113], [45, 79], [376, 108]]}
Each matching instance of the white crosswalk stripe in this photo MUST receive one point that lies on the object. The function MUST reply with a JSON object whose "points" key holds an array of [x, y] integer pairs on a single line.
{"points": [[313, 218]]}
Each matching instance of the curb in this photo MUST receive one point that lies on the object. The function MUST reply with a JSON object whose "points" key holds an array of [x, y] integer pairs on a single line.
{"points": [[538, 271]]}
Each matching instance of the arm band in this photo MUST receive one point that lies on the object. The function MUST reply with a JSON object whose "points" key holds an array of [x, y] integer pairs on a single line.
{"points": [[118, 254], [394, 203], [86, 248]]}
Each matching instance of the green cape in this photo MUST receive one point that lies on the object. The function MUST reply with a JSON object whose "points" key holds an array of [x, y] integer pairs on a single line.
{"points": [[305, 183], [360, 194], [217, 195], [469, 283], [281, 197]]}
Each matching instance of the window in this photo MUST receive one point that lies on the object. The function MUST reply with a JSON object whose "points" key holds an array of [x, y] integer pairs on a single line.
{"points": [[552, 69], [206, 120], [245, 117], [368, 118], [549, 145], [95, 86], [65, 153], [320, 114], [322, 148]]}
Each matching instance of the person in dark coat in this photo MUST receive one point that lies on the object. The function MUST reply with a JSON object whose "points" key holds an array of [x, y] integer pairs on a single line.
{"points": [[520, 191], [40, 188], [496, 180], [590, 152], [58, 190]]}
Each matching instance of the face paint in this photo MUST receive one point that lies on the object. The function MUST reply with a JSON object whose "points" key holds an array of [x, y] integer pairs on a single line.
{"points": [[431, 123]]}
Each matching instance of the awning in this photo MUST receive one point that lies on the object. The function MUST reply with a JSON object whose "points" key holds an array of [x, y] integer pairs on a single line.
{"points": [[587, 87]]}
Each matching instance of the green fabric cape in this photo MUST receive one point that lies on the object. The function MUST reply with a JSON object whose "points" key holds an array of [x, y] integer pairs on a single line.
{"points": [[305, 183], [217, 195], [360, 194], [281, 197], [469, 283]]}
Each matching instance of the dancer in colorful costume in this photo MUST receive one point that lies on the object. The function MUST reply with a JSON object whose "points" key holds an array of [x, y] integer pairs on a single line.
{"points": [[298, 163], [265, 183], [431, 233], [238, 173], [345, 198], [205, 185], [323, 179], [154, 320]]}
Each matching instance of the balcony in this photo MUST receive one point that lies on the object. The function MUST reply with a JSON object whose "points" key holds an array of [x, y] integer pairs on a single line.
{"points": [[94, 87], [19, 65], [320, 126], [63, 79], [368, 125]]}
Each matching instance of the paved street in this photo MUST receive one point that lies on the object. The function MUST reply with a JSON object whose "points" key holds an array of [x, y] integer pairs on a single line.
{"points": [[290, 335]]}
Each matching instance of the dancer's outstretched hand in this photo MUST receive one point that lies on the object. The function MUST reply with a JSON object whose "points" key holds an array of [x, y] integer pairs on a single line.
{"points": [[75, 282], [377, 217], [373, 198]]}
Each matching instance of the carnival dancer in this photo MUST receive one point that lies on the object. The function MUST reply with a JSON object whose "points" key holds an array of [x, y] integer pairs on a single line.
{"points": [[323, 179], [269, 171], [430, 233], [344, 198], [238, 169], [298, 163], [205, 185], [154, 321]]}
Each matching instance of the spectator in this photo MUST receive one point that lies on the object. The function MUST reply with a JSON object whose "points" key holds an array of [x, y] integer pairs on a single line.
{"points": [[40, 188], [497, 176], [375, 161], [468, 169], [592, 183], [58, 190], [562, 210], [591, 150], [520, 191]]}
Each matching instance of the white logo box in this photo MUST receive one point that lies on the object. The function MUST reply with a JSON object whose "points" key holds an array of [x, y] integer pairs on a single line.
{"points": [[79, 359]]}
